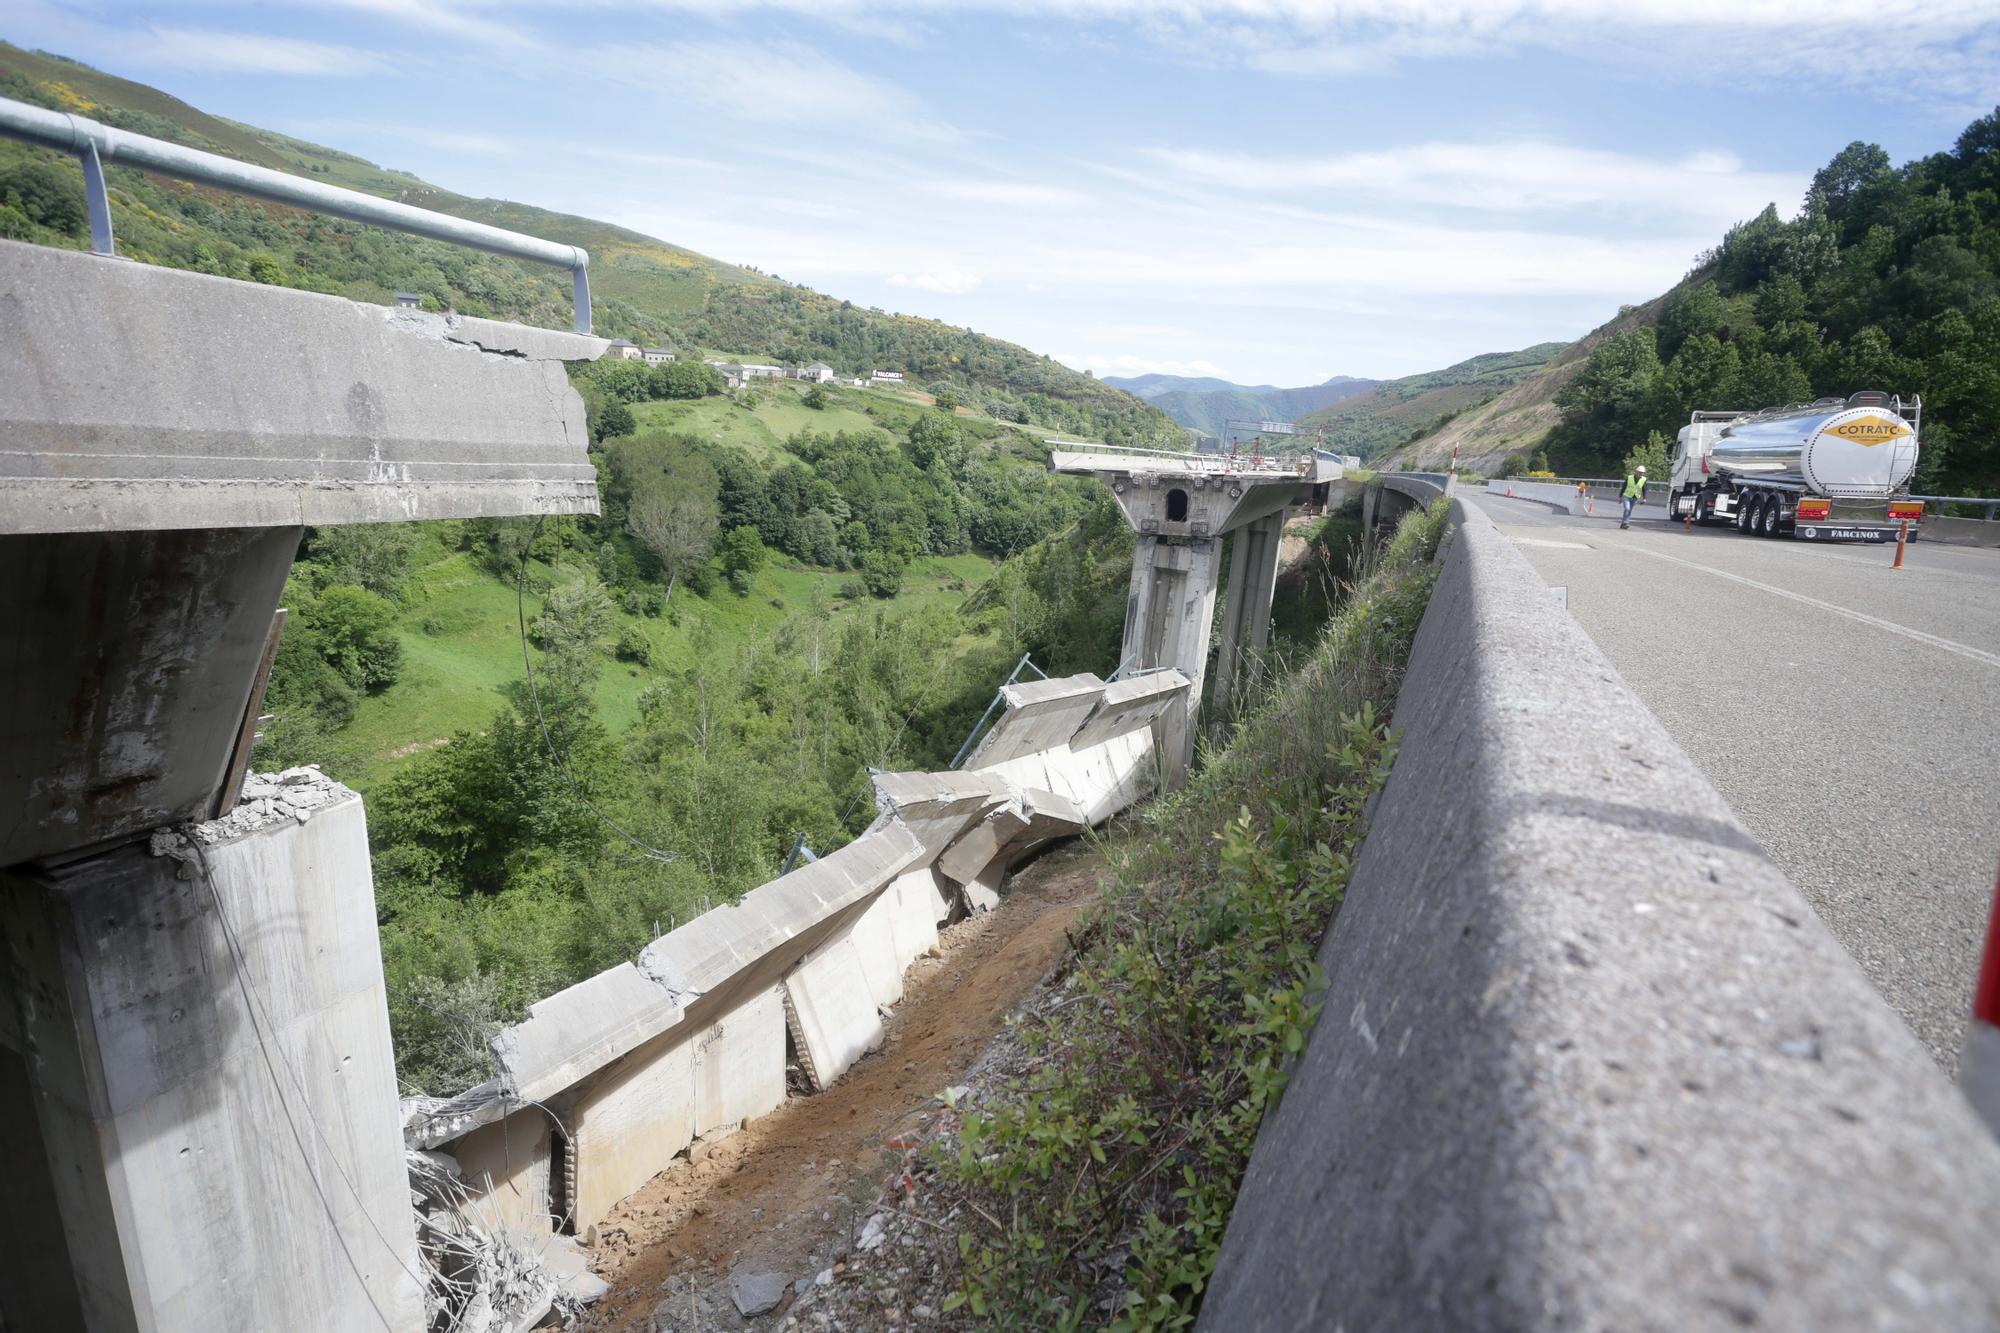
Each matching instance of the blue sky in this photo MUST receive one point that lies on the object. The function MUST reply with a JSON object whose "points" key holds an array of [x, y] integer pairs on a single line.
{"points": [[1269, 190]]}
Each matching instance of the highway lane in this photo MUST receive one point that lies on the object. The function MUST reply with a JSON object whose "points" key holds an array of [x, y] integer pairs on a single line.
{"points": [[1849, 713]]}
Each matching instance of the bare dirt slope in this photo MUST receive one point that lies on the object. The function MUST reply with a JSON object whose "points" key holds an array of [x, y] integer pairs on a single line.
{"points": [[782, 1195]]}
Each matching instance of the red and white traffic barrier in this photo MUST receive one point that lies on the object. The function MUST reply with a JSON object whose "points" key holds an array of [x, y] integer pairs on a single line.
{"points": [[1979, 1062]]}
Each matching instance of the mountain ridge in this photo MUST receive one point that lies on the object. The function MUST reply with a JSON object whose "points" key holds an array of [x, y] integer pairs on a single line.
{"points": [[1207, 404]]}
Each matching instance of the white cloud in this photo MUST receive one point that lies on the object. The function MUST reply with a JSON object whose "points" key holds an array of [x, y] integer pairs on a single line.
{"points": [[1951, 44], [1513, 177], [1009, 194], [951, 281], [441, 16], [446, 141], [780, 83], [245, 53]]}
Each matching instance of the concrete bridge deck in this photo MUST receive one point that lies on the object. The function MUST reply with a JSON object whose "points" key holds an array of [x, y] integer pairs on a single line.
{"points": [[1848, 712]]}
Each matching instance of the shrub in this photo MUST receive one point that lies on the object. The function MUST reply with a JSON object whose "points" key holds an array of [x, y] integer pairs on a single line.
{"points": [[634, 646]]}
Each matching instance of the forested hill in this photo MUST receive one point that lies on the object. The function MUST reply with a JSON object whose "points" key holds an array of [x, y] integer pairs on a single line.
{"points": [[1374, 421], [1888, 278], [646, 289]]}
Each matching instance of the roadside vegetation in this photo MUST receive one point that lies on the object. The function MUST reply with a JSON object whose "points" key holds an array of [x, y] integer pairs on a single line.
{"points": [[1093, 1191]]}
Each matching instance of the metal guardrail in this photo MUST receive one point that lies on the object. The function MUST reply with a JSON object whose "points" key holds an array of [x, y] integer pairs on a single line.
{"points": [[94, 144]]}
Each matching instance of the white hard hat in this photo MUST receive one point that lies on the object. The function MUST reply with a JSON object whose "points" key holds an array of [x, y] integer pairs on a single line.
{"points": [[1642, 469]]}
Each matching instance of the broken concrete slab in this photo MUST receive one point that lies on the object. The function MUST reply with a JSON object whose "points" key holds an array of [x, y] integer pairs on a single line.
{"points": [[1040, 715], [833, 1011], [628, 1124], [579, 1030], [739, 1064], [1101, 780], [721, 957], [920, 906], [976, 849], [1128, 705], [1050, 815], [937, 807]]}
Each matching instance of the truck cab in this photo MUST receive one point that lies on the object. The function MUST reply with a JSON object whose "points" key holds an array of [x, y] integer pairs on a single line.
{"points": [[1690, 473]]}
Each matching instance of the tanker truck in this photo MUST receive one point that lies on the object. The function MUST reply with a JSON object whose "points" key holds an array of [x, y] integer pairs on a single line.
{"points": [[1837, 469]]}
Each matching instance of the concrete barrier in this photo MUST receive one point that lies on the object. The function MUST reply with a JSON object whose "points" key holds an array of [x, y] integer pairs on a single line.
{"points": [[1554, 494], [1587, 1059], [1959, 531]]}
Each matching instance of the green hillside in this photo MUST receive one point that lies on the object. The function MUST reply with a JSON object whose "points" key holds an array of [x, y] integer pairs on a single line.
{"points": [[1373, 422], [644, 289]]}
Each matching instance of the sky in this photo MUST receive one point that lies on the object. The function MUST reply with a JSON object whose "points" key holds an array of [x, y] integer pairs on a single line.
{"points": [[1271, 191]]}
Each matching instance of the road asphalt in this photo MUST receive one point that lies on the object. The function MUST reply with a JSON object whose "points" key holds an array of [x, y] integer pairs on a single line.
{"points": [[1849, 713]]}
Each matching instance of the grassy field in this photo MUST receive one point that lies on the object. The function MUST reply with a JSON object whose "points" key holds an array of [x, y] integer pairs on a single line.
{"points": [[462, 645]]}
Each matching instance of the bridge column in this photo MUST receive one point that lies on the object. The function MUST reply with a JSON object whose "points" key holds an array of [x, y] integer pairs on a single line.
{"points": [[1246, 618], [1168, 615], [198, 1099]]}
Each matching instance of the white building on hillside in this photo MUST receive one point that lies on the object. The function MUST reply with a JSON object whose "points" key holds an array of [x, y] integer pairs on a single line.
{"points": [[658, 356], [817, 373], [755, 371], [623, 349]]}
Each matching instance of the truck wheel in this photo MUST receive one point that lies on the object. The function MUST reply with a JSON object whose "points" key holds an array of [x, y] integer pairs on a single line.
{"points": [[1772, 515], [1704, 509], [1747, 507]]}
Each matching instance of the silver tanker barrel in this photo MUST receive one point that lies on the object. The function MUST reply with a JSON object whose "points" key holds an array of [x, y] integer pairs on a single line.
{"points": [[1862, 447]]}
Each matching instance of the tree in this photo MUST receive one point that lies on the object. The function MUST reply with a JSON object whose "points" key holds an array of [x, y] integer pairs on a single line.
{"points": [[1651, 455], [354, 630], [882, 572], [689, 379], [576, 623], [613, 420], [1618, 378], [676, 516], [44, 194], [947, 399], [742, 556], [815, 397], [374, 555]]}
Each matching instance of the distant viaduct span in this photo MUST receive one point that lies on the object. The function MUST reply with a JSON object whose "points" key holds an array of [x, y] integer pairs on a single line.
{"points": [[1587, 1059]]}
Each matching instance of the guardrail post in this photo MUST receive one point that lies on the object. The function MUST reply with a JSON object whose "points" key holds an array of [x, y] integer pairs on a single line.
{"points": [[580, 287], [99, 200]]}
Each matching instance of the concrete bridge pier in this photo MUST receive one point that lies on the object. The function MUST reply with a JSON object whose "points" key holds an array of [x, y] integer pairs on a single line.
{"points": [[1169, 614], [1182, 506], [1246, 617], [199, 1127]]}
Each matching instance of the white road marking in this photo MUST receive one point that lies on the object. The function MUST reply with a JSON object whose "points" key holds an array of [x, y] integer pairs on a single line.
{"points": [[1563, 546], [1963, 650]]}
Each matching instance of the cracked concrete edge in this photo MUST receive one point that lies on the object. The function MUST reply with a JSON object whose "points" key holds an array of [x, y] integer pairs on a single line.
{"points": [[1587, 1059], [143, 398]]}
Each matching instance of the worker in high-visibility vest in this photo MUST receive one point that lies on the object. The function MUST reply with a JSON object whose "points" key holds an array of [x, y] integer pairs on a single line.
{"points": [[1635, 491]]}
